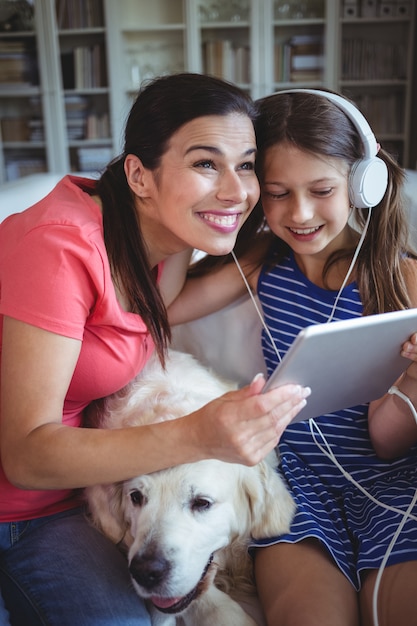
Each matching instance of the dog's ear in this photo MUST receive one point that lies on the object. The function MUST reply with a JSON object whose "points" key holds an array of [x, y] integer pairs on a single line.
{"points": [[272, 507], [106, 510]]}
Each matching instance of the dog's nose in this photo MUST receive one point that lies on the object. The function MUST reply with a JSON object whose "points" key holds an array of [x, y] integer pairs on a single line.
{"points": [[149, 570]]}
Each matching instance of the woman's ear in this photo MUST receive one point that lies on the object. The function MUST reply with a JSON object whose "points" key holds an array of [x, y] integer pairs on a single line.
{"points": [[138, 177]]}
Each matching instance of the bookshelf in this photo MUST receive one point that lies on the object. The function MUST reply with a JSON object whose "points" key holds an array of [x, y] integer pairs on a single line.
{"points": [[55, 104], [376, 68], [362, 48], [82, 48], [21, 122], [79, 63]]}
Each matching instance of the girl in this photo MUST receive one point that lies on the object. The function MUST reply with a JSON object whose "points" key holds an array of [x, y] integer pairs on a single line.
{"points": [[83, 274], [297, 255]]}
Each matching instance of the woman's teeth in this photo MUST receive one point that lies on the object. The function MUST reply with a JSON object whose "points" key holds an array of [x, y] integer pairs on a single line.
{"points": [[221, 220]]}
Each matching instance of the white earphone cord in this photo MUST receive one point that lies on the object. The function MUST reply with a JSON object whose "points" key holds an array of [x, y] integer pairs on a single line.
{"points": [[255, 304], [349, 272], [327, 450], [352, 263]]}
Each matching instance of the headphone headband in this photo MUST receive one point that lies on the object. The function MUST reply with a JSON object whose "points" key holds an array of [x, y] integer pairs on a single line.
{"points": [[368, 177], [365, 132]]}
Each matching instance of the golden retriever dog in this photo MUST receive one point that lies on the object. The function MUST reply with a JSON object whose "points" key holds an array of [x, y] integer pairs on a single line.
{"points": [[186, 529]]}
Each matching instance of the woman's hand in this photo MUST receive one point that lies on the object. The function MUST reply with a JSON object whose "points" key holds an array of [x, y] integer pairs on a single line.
{"points": [[243, 426]]}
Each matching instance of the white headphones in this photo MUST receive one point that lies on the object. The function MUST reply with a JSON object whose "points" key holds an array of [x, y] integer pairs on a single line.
{"points": [[368, 177]]}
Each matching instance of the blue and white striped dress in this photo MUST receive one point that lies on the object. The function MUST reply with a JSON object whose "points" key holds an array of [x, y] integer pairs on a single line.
{"points": [[355, 530]]}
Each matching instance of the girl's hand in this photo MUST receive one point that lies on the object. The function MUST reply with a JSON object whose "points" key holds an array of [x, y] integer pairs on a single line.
{"points": [[392, 427], [409, 351], [244, 426]]}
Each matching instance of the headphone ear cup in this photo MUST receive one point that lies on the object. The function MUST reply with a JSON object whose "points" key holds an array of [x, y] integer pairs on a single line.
{"points": [[368, 181]]}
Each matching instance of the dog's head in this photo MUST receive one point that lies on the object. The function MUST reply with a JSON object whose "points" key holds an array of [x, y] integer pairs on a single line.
{"points": [[177, 524]]}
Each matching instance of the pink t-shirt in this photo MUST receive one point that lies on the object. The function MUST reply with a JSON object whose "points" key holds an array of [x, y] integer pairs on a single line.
{"points": [[55, 274]]}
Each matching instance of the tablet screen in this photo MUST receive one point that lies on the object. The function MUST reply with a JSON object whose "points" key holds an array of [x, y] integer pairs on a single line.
{"points": [[347, 362]]}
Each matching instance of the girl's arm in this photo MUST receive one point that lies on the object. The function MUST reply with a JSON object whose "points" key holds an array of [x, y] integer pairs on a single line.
{"points": [[40, 452], [392, 425], [219, 287], [206, 294]]}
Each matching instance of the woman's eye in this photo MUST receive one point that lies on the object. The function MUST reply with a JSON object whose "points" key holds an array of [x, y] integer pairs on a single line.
{"points": [[247, 166], [208, 164]]}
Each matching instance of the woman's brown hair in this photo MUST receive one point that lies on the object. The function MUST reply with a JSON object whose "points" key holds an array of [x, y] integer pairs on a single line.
{"points": [[160, 109]]}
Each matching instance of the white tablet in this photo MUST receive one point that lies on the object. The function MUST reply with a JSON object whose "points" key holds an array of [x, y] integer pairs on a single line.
{"points": [[347, 362]]}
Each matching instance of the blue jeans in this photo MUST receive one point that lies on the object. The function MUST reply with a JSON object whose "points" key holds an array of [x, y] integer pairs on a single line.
{"points": [[60, 571]]}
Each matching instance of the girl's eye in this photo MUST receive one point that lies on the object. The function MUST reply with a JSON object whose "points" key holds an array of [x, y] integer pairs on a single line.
{"points": [[276, 196], [323, 192]]}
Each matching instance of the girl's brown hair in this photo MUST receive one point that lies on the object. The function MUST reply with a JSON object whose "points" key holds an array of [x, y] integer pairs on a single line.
{"points": [[316, 125]]}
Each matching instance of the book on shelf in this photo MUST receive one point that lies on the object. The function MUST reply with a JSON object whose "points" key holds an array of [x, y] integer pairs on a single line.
{"points": [[14, 129], [242, 65], [37, 130], [305, 76], [83, 122], [218, 58], [225, 60], [16, 167], [79, 14], [83, 67], [18, 64], [385, 110], [93, 158], [76, 111], [373, 60], [299, 59], [98, 126]]}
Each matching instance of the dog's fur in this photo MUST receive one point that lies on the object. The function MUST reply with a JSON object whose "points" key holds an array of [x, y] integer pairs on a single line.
{"points": [[186, 529]]}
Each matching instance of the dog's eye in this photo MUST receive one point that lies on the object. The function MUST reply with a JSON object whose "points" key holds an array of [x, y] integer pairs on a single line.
{"points": [[201, 504], [137, 498]]}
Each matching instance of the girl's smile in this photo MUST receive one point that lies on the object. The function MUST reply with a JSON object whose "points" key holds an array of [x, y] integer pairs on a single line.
{"points": [[305, 200]]}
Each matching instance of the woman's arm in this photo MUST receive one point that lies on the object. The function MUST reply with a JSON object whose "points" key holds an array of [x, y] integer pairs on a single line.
{"points": [[392, 426], [39, 452]]}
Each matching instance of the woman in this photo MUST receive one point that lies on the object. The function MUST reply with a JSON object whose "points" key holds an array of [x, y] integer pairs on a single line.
{"points": [[83, 274]]}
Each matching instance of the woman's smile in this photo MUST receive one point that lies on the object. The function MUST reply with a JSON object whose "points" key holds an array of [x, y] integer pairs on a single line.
{"points": [[226, 222]]}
